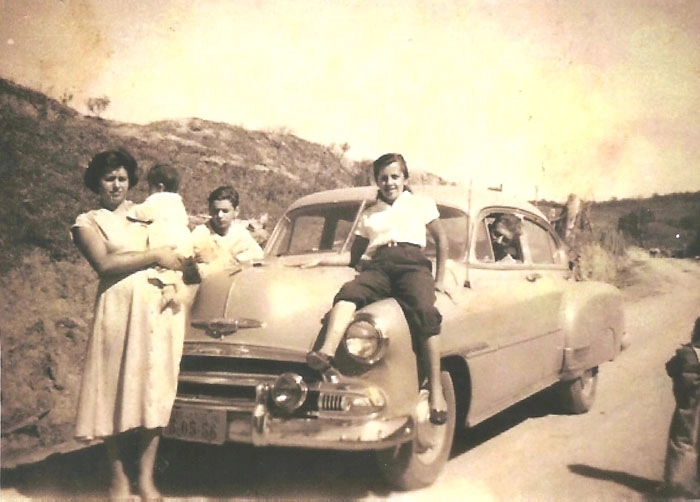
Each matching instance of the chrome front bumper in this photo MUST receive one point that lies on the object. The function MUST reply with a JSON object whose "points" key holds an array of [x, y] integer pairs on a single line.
{"points": [[258, 426]]}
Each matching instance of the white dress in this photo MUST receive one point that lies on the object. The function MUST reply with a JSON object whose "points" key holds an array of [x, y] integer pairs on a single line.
{"points": [[133, 354]]}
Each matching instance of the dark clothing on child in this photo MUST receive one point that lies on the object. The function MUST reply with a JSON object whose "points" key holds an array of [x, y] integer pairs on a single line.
{"points": [[681, 470], [403, 272]]}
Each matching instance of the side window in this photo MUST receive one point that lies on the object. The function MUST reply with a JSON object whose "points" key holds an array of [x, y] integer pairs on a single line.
{"points": [[498, 239], [543, 247], [454, 222]]}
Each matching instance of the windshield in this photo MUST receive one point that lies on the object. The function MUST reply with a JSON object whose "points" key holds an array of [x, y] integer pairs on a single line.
{"points": [[316, 228]]}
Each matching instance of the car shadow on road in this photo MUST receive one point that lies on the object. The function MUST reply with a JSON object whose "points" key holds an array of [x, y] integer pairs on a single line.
{"points": [[540, 405], [643, 486]]}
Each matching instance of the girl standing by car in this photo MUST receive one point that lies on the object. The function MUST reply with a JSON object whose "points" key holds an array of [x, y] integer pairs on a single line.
{"points": [[133, 354], [392, 233]]}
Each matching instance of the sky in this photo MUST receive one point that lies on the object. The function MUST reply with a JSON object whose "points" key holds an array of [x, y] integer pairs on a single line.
{"points": [[545, 97]]}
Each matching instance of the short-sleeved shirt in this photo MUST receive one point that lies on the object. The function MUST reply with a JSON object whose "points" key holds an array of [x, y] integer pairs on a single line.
{"points": [[402, 221], [216, 252]]}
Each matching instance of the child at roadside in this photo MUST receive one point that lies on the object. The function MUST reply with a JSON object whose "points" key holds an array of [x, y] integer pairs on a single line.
{"points": [[168, 225], [223, 242], [681, 469]]}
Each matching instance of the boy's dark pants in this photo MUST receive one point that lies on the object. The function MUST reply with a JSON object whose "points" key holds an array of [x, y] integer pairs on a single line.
{"points": [[404, 273]]}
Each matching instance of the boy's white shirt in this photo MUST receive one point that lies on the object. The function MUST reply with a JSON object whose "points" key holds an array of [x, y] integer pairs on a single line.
{"points": [[216, 252], [402, 221]]}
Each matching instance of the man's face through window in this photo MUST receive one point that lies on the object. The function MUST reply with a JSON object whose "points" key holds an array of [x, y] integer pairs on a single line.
{"points": [[500, 235], [504, 241]]}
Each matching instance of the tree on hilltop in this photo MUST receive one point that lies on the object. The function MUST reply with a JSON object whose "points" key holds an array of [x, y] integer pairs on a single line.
{"points": [[97, 106]]}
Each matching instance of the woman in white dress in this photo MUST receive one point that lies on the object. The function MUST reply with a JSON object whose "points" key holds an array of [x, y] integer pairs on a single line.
{"points": [[133, 355]]}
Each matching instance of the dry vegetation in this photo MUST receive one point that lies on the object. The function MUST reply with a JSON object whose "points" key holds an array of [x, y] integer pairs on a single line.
{"points": [[47, 289]]}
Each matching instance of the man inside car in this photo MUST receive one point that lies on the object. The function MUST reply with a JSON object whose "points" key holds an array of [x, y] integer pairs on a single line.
{"points": [[505, 231]]}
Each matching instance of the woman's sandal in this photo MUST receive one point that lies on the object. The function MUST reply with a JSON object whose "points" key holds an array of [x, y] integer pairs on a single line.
{"points": [[438, 417], [318, 360]]}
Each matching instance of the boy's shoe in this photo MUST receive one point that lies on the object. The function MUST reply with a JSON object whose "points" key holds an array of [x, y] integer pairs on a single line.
{"points": [[438, 417]]}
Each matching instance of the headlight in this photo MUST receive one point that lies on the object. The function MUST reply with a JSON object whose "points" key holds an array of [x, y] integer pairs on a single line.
{"points": [[364, 340], [289, 392]]}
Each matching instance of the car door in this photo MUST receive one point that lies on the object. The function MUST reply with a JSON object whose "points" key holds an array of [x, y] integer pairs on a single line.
{"points": [[549, 273], [515, 308]]}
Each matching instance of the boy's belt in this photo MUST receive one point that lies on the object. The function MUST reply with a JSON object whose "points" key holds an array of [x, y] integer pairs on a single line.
{"points": [[398, 244]]}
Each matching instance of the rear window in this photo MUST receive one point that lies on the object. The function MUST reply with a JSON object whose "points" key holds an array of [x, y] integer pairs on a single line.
{"points": [[455, 224]]}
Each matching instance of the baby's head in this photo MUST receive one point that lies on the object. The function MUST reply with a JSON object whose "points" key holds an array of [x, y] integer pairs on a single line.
{"points": [[163, 178]]}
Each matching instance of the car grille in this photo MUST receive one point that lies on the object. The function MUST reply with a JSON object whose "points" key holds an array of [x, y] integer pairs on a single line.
{"points": [[231, 382], [332, 402]]}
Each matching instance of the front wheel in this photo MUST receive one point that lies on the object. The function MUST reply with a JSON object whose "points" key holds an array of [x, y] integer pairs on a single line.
{"points": [[418, 463], [577, 396]]}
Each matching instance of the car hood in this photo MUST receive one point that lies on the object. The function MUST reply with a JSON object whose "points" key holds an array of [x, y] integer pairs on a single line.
{"points": [[283, 304]]}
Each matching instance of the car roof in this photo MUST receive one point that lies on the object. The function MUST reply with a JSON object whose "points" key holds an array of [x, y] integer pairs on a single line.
{"points": [[451, 195]]}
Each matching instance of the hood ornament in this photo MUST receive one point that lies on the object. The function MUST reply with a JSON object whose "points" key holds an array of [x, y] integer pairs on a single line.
{"points": [[221, 327]]}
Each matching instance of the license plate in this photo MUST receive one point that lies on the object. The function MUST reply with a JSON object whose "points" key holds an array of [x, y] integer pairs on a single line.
{"points": [[202, 426]]}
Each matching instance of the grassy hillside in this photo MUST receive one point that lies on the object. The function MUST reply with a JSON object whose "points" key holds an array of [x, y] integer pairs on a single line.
{"points": [[45, 146]]}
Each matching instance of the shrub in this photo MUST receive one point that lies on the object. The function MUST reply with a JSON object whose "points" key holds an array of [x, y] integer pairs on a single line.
{"points": [[597, 264], [598, 254]]}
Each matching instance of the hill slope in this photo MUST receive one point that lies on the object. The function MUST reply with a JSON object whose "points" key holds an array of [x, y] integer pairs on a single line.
{"points": [[44, 147]]}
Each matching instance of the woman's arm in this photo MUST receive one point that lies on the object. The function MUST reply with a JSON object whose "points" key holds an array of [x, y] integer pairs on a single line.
{"points": [[437, 231], [104, 263]]}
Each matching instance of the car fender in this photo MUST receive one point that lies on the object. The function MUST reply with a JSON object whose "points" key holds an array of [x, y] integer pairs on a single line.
{"points": [[397, 373], [593, 324]]}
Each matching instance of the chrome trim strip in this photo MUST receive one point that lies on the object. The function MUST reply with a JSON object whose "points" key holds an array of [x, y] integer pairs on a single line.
{"points": [[215, 403], [216, 348], [221, 378]]}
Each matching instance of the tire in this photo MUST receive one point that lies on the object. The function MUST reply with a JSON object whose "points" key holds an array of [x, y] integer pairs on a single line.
{"points": [[418, 463], [577, 396]]}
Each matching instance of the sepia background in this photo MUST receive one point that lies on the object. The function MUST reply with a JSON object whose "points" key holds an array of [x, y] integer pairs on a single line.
{"points": [[546, 97]]}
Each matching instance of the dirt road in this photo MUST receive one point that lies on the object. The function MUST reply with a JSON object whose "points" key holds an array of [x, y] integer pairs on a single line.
{"points": [[614, 452]]}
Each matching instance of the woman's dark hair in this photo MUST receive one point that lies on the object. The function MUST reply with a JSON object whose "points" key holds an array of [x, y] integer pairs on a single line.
{"points": [[225, 192], [166, 175], [390, 158], [107, 161]]}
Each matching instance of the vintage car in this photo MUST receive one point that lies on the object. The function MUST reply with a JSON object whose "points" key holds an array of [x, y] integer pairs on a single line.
{"points": [[510, 329]]}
